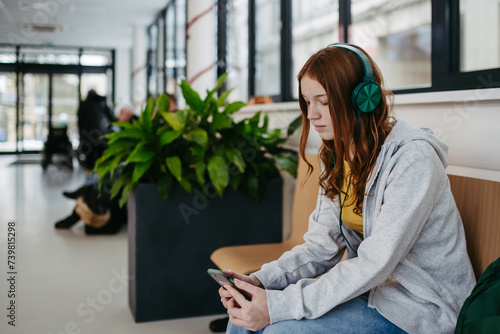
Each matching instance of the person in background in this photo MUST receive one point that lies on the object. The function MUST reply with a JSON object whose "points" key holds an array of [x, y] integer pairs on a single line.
{"points": [[94, 121], [100, 213], [127, 115], [384, 199]]}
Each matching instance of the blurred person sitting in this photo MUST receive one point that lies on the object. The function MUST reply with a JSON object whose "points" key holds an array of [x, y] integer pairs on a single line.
{"points": [[100, 213]]}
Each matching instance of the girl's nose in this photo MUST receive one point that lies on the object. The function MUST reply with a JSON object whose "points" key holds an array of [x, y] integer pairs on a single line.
{"points": [[312, 113]]}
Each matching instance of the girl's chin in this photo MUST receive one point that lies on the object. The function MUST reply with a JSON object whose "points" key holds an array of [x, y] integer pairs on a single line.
{"points": [[326, 136]]}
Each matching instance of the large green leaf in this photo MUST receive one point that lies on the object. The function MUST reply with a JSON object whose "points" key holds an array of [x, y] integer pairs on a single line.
{"points": [[131, 133], [163, 104], [222, 98], [140, 169], [169, 136], [288, 163], [269, 138], [165, 184], [265, 123], [233, 107], [213, 108], [102, 168], [236, 157], [119, 146], [220, 121], [147, 115], [126, 191], [119, 183], [118, 159], [253, 186], [220, 81], [200, 168], [123, 125], [296, 123], [192, 97], [142, 153], [254, 120], [235, 181], [198, 135], [175, 120], [219, 173], [198, 151], [175, 167], [186, 185]]}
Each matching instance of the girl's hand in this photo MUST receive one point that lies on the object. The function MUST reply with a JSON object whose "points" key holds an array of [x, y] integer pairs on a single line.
{"points": [[226, 296], [252, 314], [252, 279]]}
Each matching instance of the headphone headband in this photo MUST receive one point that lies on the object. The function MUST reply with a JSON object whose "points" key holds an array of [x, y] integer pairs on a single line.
{"points": [[366, 95], [367, 66]]}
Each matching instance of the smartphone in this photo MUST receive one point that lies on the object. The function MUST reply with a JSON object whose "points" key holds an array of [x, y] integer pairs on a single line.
{"points": [[222, 278]]}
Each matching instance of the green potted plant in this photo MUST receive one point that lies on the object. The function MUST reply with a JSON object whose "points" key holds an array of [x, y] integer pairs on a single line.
{"points": [[195, 146], [193, 180]]}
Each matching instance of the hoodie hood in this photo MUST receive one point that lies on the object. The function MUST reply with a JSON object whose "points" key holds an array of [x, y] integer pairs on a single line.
{"points": [[403, 133]]}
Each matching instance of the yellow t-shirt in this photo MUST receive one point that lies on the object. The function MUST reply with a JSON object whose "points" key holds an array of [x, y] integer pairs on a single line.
{"points": [[351, 219]]}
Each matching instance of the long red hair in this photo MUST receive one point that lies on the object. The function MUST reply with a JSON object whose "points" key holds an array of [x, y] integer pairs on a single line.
{"points": [[339, 71]]}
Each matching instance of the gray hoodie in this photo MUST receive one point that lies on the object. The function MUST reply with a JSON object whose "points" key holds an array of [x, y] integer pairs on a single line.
{"points": [[413, 257]]}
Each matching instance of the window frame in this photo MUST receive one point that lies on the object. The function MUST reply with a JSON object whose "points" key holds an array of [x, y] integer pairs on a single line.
{"points": [[445, 55], [161, 69], [20, 68]]}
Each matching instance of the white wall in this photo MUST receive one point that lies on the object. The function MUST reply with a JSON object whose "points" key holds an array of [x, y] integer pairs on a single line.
{"points": [[123, 69], [468, 121], [138, 73], [201, 45]]}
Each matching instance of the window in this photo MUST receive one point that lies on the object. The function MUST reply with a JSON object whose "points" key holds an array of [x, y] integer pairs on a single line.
{"points": [[166, 54], [7, 54], [96, 57], [237, 49], [170, 51], [152, 68], [465, 46], [314, 26], [419, 45], [53, 56], [42, 86], [397, 34], [8, 98], [180, 41], [479, 30], [267, 47]]}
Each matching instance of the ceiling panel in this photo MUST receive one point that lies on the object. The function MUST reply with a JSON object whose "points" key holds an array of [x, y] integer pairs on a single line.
{"points": [[103, 23]]}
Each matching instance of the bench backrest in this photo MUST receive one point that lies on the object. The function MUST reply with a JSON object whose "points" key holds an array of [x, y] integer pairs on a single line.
{"points": [[305, 198], [479, 204]]}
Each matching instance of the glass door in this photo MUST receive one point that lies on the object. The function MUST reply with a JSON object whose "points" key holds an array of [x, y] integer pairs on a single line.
{"points": [[8, 98], [33, 111], [65, 104]]}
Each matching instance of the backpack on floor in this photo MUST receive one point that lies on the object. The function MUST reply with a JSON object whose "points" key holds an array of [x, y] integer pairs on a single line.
{"points": [[481, 310]]}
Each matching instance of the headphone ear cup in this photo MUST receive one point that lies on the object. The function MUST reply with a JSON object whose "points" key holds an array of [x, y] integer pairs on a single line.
{"points": [[366, 96]]}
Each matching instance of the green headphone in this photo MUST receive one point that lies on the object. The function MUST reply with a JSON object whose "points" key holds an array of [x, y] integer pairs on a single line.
{"points": [[366, 95], [365, 98]]}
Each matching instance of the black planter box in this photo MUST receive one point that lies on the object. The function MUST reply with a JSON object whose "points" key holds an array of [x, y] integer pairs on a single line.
{"points": [[170, 242]]}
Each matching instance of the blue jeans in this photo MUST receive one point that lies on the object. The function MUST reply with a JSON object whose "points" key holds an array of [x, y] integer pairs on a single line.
{"points": [[353, 317]]}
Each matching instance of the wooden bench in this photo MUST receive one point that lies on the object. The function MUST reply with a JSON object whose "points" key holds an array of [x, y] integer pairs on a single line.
{"points": [[249, 258], [478, 202]]}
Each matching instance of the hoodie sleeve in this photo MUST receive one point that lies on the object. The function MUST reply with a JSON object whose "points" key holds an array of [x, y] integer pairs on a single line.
{"points": [[321, 251], [407, 200]]}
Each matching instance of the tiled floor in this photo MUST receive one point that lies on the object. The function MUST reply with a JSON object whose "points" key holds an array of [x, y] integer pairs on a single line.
{"points": [[66, 282]]}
